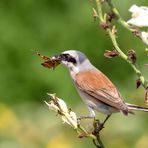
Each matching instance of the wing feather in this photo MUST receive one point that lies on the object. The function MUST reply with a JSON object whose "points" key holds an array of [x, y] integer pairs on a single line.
{"points": [[96, 84]]}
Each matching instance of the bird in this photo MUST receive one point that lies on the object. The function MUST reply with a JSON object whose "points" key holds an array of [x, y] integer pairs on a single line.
{"points": [[96, 90]]}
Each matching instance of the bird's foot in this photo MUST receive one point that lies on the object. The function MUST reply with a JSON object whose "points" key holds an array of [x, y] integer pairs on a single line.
{"points": [[84, 117], [98, 126]]}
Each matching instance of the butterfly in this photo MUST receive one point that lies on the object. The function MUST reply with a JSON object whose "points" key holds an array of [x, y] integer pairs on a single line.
{"points": [[49, 62]]}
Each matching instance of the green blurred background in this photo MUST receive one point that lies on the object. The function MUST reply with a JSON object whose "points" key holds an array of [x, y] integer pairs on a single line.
{"points": [[50, 27]]}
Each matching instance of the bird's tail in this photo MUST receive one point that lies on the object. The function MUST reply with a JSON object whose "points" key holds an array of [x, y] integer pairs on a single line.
{"points": [[136, 107]]}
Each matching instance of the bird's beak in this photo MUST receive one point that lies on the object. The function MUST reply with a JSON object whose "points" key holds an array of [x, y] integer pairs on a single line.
{"points": [[57, 57]]}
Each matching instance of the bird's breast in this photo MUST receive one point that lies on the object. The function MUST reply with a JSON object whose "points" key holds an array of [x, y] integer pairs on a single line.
{"points": [[95, 104]]}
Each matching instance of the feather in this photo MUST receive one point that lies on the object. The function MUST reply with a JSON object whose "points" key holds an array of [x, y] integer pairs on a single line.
{"points": [[96, 84]]}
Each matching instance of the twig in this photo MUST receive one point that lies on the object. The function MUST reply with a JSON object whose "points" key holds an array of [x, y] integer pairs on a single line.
{"points": [[95, 137], [133, 29], [112, 34], [99, 141], [98, 146], [119, 18], [68, 116]]}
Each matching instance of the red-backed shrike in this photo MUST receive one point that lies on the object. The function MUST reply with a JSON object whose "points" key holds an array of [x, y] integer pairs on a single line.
{"points": [[95, 89]]}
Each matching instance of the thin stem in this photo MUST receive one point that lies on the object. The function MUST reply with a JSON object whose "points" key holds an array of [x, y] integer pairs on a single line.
{"points": [[95, 138], [100, 13], [98, 146], [120, 19], [83, 130], [114, 40], [99, 141]]}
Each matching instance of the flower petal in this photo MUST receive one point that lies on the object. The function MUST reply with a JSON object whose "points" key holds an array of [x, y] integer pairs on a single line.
{"points": [[144, 37], [62, 105], [139, 16]]}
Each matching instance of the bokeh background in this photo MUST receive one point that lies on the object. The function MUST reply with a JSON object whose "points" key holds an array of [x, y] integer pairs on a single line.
{"points": [[50, 27]]}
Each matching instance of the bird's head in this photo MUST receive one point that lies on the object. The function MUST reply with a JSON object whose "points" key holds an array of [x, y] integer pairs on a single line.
{"points": [[74, 60]]}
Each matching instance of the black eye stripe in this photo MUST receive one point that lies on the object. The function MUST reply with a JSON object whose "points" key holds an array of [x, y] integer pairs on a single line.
{"points": [[68, 58]]}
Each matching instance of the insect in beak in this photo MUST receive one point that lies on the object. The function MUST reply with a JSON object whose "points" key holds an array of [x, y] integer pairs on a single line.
{"points": [[49, 62]]}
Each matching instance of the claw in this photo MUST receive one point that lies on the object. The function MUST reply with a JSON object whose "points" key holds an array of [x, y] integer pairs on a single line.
{"points": [[99, 126]]}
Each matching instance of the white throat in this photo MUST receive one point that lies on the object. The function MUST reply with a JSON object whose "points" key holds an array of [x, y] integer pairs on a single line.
{"points": [[85, 66]]}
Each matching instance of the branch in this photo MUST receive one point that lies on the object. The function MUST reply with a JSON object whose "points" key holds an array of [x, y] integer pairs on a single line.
{"points": [[59, 106], [111, 30], [119, 18], [133, 29]]}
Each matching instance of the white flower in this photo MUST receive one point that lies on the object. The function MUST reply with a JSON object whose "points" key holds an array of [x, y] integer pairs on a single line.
{"points": [[60, 107], [73, 116], [57, 104], [70, 119], [74, 119], [139, 16], [144, 37], [52, 106]]}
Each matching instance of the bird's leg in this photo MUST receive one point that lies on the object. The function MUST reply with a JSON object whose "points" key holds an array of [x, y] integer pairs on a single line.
{"points": [[106, 119], [91, 116], [84, 117], [99, 126]]}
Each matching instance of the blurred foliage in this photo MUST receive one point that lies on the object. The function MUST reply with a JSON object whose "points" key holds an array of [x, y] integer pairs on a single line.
{"points": [[52, 26]]}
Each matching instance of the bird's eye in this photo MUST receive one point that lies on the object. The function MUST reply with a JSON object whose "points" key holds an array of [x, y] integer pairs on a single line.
{"points": [[68, 58]]}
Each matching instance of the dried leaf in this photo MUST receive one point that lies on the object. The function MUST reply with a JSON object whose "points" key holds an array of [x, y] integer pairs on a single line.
{"points": [[132, 56], [105, 25], [138, 83], [82, 135], [48, 62], [136, 32], [111, 54], [110, 15]]}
